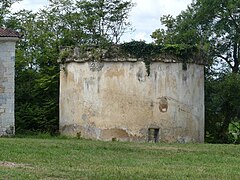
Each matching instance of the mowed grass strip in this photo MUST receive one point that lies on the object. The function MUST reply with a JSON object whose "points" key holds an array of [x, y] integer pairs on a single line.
{"points": [[53, 158]]}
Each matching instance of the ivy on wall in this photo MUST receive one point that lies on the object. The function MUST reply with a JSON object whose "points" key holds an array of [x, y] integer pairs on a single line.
{"points": [[134, 49], [140, 49]]}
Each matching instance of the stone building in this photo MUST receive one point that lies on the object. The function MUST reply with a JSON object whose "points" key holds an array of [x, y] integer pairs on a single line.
{"points": [[123, 99], [8, 40]]}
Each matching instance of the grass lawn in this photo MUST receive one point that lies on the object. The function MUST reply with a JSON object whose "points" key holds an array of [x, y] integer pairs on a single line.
{"points": [[55, 158]]}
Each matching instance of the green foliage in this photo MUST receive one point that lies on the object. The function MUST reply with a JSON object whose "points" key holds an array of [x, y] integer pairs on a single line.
{"points": [[212, 26], [223, 107], [4, 10], [64, 54], [147, 52], [234, 130], [182, 50], [140, 49], [103, 22], [221, 19]]}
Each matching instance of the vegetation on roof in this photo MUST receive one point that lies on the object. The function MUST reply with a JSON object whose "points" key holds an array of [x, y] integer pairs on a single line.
{"points": [[139, 50]]}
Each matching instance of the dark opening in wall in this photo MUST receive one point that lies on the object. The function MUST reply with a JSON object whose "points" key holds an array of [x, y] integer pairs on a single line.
{"points": [[153, 135]]}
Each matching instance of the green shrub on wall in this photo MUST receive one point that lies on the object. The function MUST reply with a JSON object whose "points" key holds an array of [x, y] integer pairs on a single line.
{"points": [[140, 49]]}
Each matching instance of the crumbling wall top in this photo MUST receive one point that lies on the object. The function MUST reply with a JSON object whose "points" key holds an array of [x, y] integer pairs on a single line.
{"points": [[129, 53]]}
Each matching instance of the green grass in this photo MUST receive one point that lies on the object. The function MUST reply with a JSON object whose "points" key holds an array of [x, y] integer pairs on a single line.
{"points": [[55, 158]]}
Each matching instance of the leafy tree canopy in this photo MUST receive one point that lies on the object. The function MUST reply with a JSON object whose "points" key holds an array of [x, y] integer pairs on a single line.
{"points": [[4, 9], [213, 26]]}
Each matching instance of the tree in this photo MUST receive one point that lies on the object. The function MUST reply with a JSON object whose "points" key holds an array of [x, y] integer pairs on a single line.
{"points": [[213, 26], [223, 107], [4, 9], [223, 20], [104, 21]]}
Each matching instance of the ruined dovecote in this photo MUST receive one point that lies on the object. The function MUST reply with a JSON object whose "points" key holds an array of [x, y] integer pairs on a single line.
{"points": [[126, 99], [8, 40]]}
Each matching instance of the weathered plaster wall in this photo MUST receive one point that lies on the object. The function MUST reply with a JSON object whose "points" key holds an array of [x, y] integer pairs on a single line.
{"points": [[118, 100], [7, 62]]}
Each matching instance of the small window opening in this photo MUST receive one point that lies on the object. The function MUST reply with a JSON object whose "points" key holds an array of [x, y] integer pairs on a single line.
{"points": [[153, 135]]}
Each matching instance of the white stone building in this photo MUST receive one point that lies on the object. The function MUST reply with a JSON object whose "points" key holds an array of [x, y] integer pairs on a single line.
{"points": [[8, 40], [123, 99]]}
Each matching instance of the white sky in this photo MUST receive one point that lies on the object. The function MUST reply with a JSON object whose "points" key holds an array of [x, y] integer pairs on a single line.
{"points": [[145, 16]]}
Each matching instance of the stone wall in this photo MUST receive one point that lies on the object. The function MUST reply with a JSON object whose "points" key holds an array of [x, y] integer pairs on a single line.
{"points": [[121, 101], [7, 62]]}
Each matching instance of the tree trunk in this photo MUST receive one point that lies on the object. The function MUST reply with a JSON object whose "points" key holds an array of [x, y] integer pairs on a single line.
{"points": [[235, 68]]}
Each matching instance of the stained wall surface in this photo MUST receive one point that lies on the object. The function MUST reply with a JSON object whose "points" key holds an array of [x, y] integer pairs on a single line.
{"points": [[7, 62], [121, 100]]}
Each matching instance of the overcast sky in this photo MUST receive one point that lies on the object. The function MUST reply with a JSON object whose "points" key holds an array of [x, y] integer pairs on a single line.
{"points": [[145, 16]]}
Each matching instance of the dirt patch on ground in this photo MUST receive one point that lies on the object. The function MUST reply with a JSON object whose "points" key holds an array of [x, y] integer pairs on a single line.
{"points": [[13, 164]]}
